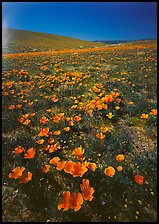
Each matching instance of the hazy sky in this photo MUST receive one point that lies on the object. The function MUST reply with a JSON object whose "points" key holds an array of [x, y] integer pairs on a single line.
{"points": [[84, 20]]}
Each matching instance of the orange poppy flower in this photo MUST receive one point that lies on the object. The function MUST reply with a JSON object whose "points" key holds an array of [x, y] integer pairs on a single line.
{"points": [[60, 166], [79, 169], [55, 160], [46, 147], [68, 118], [17, 172], [43, 120], [153, 111], [88, 194], [26, 122], [26, 177], [64, 203], [77, 118], [144, 116], [104, 129], [110, 115], [57, 119], [21, 119], [58, 132], [45, 168], [118, 100], [26, 115], [70, 123], [19, 106], [61, 115], [130, 103], [119, 168], [84, 185], [54, 98], [99, 107], [30, 154], [78, 151], [40, 142], [117, 107], [92, 166], [90, 112], [53, 148], [32, 114], [69, 166], [44, 132], [51, 140], [75, 201], [120, 158], [67, 128], [100, 136], [139, 179], [110, 171], [11, 107], [18, 150]]}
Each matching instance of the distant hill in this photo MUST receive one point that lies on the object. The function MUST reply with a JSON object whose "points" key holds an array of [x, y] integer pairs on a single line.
{"points": [[111, 41], [144, 41], [21, 40]]}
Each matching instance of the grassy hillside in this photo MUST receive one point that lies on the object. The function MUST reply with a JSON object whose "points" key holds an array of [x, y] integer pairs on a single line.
{"points": [[28, 40]]}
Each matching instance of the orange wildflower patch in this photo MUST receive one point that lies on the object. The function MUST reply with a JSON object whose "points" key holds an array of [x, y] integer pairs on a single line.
{"points": [[18, 150], [120, 158], [30, 154], [17, 172], [110, 171], [139, 179]]}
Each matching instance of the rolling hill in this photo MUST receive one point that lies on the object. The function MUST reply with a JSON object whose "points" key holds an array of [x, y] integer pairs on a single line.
{"points": [[17, 40]]}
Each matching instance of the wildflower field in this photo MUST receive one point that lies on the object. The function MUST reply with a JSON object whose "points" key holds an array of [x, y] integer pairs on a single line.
{"points": [[79, 135]]}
